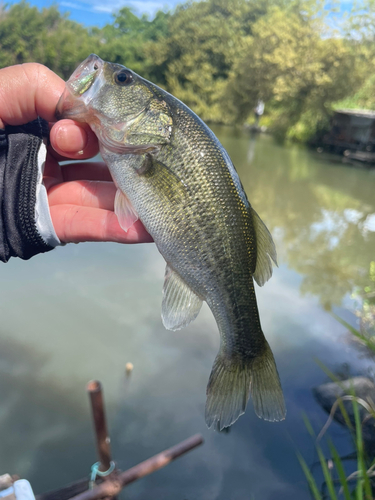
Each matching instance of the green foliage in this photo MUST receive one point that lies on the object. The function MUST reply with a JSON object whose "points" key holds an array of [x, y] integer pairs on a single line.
{"points": [[205, 41], [219, 56], [331, 482], [337, 482], [127, 41], [340, 470], [366, 338], [364, 98], [359, 484], [48, 37], [292, 67], [310, 478]]}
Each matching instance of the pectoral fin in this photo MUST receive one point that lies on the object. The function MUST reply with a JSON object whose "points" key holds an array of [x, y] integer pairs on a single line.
{"points": [[180, 304], [169, 185], [266, 251], [124, 210]]}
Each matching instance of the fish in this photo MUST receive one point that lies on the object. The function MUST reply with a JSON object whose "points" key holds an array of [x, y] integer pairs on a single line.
{"points": [[173, 174]]}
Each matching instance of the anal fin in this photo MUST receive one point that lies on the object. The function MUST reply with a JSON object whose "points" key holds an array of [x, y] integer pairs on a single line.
{"points": [[180, 304]]}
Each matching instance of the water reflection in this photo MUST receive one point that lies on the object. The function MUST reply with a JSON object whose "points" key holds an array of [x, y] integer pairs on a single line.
{"points": [[322, 214], [84, 311], [38, 415]]}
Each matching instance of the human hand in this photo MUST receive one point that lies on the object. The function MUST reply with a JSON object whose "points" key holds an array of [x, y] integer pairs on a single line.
{"points": [[80, 195]]}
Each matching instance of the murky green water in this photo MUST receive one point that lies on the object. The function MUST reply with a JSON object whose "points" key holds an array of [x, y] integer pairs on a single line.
{"points": [[83, 311]]}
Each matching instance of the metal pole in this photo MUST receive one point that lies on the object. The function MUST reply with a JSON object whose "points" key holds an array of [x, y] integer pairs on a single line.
{"points": [[94, 388], [111, 488]]}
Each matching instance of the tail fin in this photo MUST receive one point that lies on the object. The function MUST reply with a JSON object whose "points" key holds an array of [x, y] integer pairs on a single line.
{"points": [[232, 380]]}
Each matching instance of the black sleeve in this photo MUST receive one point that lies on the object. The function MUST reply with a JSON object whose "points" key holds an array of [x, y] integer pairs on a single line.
{"points": [[19, 147]]}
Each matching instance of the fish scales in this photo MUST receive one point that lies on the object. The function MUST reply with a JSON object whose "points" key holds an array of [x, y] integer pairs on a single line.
{"points": [[233, 251], [173, 173]]}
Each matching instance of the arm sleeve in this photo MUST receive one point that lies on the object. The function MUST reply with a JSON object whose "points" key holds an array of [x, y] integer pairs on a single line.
{"points": [[26, 227]]}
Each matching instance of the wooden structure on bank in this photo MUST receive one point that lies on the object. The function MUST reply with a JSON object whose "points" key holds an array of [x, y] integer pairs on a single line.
{"points": [[352, 134], [108, 481]]}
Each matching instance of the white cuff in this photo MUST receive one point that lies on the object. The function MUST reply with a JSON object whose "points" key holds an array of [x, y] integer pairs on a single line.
{"points": [[42, 214]]}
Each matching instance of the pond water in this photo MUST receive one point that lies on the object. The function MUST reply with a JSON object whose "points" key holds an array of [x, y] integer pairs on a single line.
{"points": [[83, 311]]}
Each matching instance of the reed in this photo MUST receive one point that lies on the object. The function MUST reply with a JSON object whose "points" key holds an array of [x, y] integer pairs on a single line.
{"points": [[359, 483]]}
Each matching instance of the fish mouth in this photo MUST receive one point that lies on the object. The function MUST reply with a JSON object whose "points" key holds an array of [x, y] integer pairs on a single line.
{"points": [[75, 98]]}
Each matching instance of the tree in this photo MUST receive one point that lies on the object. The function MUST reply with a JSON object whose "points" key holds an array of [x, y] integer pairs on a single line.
{"points": [[218, 56], [290, 65], [205, 39], [48, 37], [126, 41]]}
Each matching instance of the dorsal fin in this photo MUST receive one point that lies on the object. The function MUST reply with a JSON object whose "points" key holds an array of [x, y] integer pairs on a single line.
{"points": [[266, 251]]}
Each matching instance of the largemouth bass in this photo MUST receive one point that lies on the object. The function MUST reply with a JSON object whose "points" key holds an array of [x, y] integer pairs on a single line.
{"points": [[174, 175]]}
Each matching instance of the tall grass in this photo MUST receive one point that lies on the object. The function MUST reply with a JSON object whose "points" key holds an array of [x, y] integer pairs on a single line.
{"points": [[360, 483]]}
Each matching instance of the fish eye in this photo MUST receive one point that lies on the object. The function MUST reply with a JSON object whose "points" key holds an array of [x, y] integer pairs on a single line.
{"points": [[123, 77]]}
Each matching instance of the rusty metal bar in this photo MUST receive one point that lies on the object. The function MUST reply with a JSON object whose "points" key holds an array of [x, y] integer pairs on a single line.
{"points": [[94, 388], [111, 488]]}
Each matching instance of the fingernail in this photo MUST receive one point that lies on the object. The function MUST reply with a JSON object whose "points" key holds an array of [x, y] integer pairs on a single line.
{"points": [[71, 138]]}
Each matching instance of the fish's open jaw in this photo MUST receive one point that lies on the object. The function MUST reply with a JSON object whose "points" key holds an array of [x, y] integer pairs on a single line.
{"points": [[84, 76], [77, 87]]}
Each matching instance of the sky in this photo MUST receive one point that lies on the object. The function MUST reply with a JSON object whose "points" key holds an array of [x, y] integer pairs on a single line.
{"points": [[99, 12]]}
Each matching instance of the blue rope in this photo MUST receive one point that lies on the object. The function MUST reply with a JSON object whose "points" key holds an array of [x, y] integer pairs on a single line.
{"points": [[96, 472]]}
